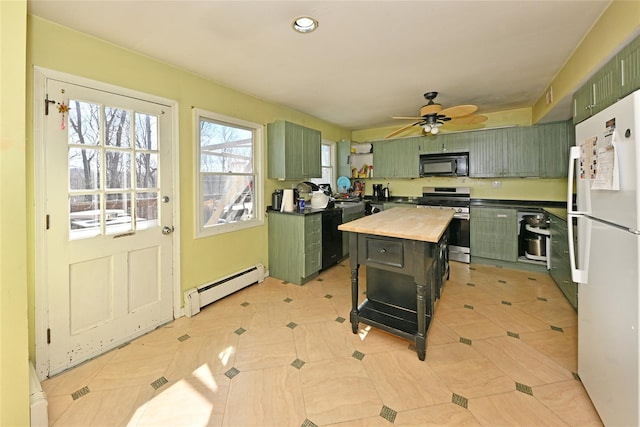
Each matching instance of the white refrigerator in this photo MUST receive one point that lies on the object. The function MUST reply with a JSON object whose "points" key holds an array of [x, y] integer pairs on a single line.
{"points": [[604, 167]]}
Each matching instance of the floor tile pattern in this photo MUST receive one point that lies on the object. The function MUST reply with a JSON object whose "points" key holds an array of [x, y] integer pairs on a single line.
{"points": [[501, 351]]}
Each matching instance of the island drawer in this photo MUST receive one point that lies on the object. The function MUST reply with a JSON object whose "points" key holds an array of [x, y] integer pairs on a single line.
{"points": [[384, 251]]}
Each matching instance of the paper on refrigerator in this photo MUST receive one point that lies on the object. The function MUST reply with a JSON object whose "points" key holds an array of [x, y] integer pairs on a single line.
{"points": [[599, 160]]}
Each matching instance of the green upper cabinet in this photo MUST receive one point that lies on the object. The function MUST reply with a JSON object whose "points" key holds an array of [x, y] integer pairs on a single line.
{"points": [[512, 152], [606, 86], [344, 163], [616, 79], [555, 140], [522, 152], [445, 143], [629, 60], [600, 91], [397, 158], [294, 151], [486, 157]]}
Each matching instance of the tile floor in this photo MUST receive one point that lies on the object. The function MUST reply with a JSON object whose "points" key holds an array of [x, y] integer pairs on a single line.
{"points": [[501, 352]]}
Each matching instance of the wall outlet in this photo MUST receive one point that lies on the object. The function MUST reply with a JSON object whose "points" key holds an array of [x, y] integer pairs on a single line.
{"points": [[496, 184]]}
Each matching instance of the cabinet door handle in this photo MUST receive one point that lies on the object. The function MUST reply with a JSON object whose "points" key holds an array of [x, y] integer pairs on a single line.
{"points": [[501, 215]]}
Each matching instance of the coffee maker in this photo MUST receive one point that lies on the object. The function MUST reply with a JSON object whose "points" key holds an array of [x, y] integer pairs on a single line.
{"points": [[378, 192]]}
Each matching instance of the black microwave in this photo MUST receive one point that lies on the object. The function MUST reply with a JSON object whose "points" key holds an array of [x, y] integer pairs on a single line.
{"points": [[444, 164]]}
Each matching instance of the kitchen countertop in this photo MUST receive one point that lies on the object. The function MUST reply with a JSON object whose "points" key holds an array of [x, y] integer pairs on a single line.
{"points": [[426, 225]]}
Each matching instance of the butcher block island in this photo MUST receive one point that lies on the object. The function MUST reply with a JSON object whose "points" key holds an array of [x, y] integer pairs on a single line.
{"points": [[404, 251]]}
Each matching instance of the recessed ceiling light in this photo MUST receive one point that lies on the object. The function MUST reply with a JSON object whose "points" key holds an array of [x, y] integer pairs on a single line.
{"points": [[304, 24]]}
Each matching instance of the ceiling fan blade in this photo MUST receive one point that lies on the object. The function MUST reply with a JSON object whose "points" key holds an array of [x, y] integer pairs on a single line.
{"points": [[430, 109], [402, 129], [472, 119], [459, 110], [408, 118]]}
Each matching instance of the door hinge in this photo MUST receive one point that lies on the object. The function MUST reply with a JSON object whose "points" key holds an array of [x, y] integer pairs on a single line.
{"points": [[46, 222], [48, 336]]}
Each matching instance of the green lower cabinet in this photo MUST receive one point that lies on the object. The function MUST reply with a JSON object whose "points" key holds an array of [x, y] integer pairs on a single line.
{"points": [[560, 267], [494, 233], [295, 246]]}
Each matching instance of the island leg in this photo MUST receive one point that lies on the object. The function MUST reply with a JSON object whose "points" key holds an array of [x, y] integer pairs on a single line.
{"points": [[421, 336], [353, 262], [354, 299]]}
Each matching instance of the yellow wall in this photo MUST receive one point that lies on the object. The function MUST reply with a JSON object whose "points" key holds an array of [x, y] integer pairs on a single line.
{"points": [[14, 376], [202, 260]]}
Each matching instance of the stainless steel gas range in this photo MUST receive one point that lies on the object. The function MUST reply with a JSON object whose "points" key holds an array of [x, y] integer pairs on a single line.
{"points": [[459, 199]]}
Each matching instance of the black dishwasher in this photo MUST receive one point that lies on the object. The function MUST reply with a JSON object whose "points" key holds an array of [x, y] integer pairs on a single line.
{"points": [[331, 237]]}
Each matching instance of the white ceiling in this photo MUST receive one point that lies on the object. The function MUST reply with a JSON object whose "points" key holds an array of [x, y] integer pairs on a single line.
{"points": [[368, 60]]}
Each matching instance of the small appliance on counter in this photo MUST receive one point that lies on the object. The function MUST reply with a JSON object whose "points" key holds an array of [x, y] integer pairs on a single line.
{"points": [[319, 200], [276, 199], [378, 192]]}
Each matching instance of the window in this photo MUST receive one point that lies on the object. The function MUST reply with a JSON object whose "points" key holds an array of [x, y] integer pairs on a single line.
{"points": [[328, 162], [229, 181]]}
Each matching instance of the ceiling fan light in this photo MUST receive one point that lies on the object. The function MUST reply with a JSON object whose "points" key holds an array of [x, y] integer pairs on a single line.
{"points": [[434, 130], [304, 24], [426, 127]]}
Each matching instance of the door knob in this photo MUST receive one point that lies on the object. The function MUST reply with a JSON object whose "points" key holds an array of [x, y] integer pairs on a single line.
{"points": [[167, 230]]}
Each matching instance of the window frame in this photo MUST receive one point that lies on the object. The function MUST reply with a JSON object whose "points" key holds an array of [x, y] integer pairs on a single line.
{"points": [[332, 164], [202, 231]]}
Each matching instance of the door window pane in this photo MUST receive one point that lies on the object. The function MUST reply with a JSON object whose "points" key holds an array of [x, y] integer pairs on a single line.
{"points": [[84, 169], [84, 216], [117, 127], [146, 131], [118, 169], [117, 217], [84, 123], [146, 210], [147, 170]]}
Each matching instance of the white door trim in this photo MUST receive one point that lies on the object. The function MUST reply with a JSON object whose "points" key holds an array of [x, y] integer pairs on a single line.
{"points": [[40, 75]]}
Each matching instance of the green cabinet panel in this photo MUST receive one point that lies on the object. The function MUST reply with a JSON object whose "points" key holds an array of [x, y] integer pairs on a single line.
{"points": [[397, 158], [555, 140], [600, 91], [445, 143], [494, 233], [522, 152], [606, 86], [294, 151], [295, 246], [486, 156], [560, 267], [512, 152], [344, 161], [629, 60], [582, 103]]}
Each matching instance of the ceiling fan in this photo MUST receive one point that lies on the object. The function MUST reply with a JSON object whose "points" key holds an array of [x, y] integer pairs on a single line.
{"points": [[432, 116]]}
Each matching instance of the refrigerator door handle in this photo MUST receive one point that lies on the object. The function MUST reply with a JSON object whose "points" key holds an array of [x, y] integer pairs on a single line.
{"points": [[577, 275], [574, 155]]}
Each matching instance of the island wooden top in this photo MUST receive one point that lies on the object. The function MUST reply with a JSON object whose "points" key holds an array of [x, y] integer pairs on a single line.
{"points": [[426, 225]]}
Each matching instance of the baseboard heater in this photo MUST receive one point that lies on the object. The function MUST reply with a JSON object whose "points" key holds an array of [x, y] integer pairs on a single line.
{"points": [[196, 298]]}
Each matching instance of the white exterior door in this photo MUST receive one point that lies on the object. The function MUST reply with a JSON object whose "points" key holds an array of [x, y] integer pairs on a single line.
{"points": [[109, 242]]}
